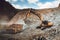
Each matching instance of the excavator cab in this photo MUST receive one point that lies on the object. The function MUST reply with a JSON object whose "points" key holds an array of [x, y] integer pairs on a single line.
{"points": [[45, 24]]}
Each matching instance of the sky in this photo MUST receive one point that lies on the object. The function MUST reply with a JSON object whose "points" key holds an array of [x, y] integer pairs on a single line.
{"points": [[35, 4]]}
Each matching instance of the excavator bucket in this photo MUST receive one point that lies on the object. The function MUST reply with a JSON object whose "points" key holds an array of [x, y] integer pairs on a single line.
{"points": [[14, 28]]}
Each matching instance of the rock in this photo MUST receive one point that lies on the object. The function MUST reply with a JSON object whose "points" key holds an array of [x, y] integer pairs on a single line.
{"points": [[59, 6], [39, 38]]}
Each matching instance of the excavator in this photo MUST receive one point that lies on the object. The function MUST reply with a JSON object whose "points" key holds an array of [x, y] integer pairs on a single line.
{"points": [[15, 28], [44, 23]]}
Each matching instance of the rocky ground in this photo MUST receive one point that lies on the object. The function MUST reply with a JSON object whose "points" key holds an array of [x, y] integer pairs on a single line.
{"points": [[31, 33]]}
